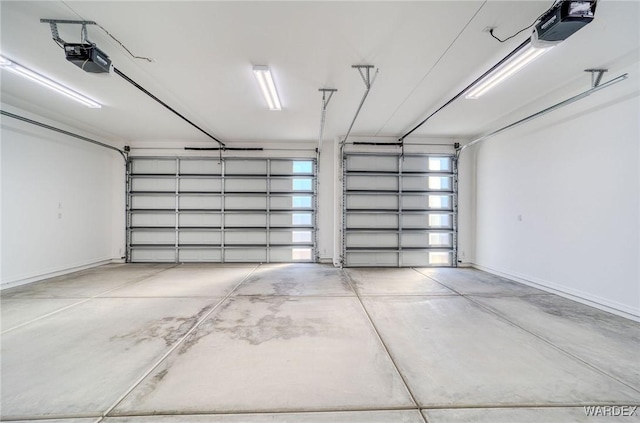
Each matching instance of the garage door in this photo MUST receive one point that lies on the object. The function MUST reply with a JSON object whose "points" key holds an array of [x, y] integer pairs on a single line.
{"points": [[234, 210], [398, 210]]}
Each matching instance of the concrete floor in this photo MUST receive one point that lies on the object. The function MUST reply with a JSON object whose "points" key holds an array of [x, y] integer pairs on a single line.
{"points": [[308, 343]]}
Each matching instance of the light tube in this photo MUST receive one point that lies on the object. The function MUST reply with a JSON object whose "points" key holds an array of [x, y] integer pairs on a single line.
{"points": [[267, 86], [521, 59], [46, 82]]}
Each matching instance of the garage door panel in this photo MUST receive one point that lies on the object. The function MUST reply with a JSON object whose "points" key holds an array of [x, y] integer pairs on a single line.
{"points": [[372, 259], [245, 185], [245, 167], [153, 237], [200, 202], [200, 220], [363, 240], [239, 220], [153, 220], [245, 255], [245, 237], [419, 189], [372, 220], [245, 202], [165, 202], [427, 221], [186, 237], [377, 163], [200, 184], [200, 167], [300, 184], [370, 202], [153, 255], [153, 184], [154, 166], [199, 255], [291, 236], [235, 210], [292, 167], [376, 183]]}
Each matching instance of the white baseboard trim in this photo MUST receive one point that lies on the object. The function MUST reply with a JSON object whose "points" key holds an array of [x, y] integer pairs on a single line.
{"points": [[24, 280], [582, 297], [325, 260]]}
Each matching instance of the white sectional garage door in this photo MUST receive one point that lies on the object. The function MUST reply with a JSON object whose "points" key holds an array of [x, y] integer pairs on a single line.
{"points": [[234, 210], [398, 210]]}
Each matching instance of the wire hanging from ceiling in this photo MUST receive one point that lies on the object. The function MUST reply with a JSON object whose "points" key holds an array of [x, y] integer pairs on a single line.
{"points": [[523, 29]]}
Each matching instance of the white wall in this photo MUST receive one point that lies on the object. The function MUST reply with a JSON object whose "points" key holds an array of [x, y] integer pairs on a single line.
{"points": [[62, 202], [573, 177]]}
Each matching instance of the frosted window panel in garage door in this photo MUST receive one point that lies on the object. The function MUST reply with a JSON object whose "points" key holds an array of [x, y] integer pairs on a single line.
{"points": [[291, 219], [167, 202], [291, 184], [245, 185], [152, 255], [153, 220], [438, 239], [194, 237], [426, 164], [245, 237], [442, 183], [372, 183], [284, 202], [372, 220], [290, 237], [372, 202], [153, 184], [426, 201], [200, 255], [245, 254], [200, 202], [371, 239], [288, 167], [239, 220], [372, 163], [153, 166], [200, 184], [200, 167], [424, 183], [245, 167], [153, 237], [200, 220], [245, 202], [370, 258], [437, 221]]}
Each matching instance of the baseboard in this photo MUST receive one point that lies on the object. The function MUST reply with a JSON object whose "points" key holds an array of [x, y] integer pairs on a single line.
{"points": [[572, 294], [24, 280], [325, 260]]}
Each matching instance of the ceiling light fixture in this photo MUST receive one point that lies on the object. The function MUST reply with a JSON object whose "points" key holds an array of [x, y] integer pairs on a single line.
{"points": [[12, 66], [527, 54], [267, 86]]}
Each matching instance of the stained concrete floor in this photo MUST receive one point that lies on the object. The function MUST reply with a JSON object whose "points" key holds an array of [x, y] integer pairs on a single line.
{"points": [[308, 343]]}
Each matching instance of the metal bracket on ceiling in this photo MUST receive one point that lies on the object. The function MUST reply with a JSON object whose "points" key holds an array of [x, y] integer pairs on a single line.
{"points": [[596, 76], [325, 102], [53, 24], [365, 73]]}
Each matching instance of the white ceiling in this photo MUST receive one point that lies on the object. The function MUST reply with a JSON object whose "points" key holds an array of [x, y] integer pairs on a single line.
{"points": [[203, 54]]}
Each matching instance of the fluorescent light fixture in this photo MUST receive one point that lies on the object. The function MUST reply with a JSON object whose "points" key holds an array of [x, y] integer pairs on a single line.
{"points": [[44, 81], [522, 58], [267, 86]]}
